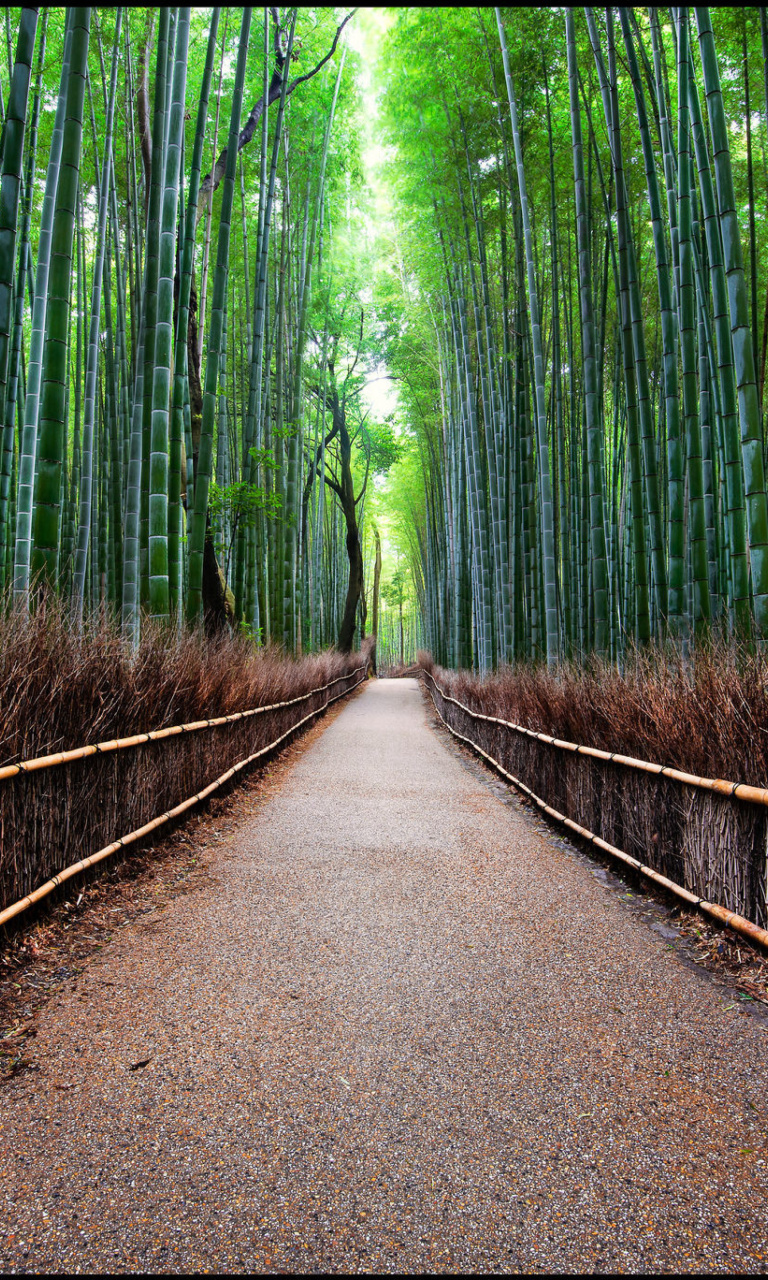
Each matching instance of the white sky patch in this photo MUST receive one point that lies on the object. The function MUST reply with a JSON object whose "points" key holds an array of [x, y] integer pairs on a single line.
{"points": [[380, 394]]}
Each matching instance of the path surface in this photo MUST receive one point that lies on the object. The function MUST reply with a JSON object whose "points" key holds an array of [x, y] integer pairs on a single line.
{"points": [[399, 1030]]}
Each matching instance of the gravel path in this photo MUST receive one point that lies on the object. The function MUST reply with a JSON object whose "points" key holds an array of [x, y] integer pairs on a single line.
{"points": [[398, 1030]]}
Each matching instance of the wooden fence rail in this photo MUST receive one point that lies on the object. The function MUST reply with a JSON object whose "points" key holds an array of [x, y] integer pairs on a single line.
{"points": [[683, 831], [63, 811], [155, 735]]}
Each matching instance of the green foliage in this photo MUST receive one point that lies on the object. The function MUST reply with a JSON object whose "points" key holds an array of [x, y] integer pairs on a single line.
{"points": [[455, 270], [241, 503], [395, 591], [381, 446], [396, 252]]}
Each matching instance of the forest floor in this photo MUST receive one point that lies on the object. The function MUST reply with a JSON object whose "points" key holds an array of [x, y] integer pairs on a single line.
{"points": [[376, 1017]]}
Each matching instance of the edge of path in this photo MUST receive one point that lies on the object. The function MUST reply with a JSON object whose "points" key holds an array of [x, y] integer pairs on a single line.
{"points": [[717, 953], [56, 943]]}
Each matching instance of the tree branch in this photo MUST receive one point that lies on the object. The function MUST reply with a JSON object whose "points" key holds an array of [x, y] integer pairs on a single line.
{"points": [[211, 181], [351, 370], [365, 482]]}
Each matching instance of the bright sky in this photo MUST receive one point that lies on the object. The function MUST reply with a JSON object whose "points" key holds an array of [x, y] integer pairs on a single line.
{"points": [[365, 33]]}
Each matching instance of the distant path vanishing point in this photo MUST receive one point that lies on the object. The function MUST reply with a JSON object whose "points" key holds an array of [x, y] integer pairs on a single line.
{"points": [[398, 1029]]}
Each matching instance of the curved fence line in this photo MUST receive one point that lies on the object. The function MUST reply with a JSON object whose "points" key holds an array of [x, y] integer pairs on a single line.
{"points": [[736, 790], [155, 735], [31, 898], [735, 920]]}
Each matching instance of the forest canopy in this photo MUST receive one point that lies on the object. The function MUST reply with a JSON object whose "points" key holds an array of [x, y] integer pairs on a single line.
{"points": [[222, 229]]}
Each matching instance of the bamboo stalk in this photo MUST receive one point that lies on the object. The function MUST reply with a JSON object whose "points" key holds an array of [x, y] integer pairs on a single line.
{"points": [[31, 898], [734, 921], [156, 735]]}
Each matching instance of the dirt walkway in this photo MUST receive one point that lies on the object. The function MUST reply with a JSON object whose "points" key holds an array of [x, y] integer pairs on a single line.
{"points": [[399, 1030]]}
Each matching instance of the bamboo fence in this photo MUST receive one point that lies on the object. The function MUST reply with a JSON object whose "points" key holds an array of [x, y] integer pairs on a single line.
{"points": [[684, 832], [59, 813]]}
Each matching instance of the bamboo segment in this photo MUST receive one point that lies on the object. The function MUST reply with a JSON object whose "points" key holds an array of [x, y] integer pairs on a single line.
{"points": [[12, 181], [198, 523], [156, 735], [160, 392], [23, 904], [749, 411], [732, 919], [545, 482], [29, 437], [739, 790], [89, 417], [51, 442]]}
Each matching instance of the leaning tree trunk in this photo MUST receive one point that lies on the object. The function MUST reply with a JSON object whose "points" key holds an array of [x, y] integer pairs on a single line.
{"points": [[345, 492], [376, 584]]}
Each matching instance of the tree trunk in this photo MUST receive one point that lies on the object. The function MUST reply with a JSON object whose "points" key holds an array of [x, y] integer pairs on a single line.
{"points": [[218, 601], [376, 591], [346, 494], [355, 583]]}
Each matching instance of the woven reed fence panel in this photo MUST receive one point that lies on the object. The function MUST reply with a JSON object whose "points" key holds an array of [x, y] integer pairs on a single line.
{"points": [[712, 844], [51, 818]]}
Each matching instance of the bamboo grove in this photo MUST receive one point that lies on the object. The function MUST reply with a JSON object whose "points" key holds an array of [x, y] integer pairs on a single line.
{"points": [[181, 347], [570, 294], [582, 200]]}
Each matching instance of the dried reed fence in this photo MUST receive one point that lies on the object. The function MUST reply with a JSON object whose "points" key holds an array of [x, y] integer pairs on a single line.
{"points": [[62, 807], [708, 836]]}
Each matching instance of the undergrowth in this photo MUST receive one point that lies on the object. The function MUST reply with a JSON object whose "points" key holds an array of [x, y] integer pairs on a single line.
{"points": [[63, 687], [706, 714]]}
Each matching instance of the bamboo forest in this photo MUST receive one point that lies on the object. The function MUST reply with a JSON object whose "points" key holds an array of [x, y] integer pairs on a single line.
{"points": [[445, 325]]}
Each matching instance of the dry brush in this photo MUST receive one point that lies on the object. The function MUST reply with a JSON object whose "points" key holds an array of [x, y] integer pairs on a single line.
{"points": [[707, 717], [61, 688]]}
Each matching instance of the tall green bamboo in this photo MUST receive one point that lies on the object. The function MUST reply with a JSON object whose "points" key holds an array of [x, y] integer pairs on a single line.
{"points": [[591, 404], [252, 433], [103, 182], [8, 458], [52, 436], [150, 291], [730, 443], [697, 524], [11, 179], [159, 587], [199, 514], [246, 590], [181, 377], [29, 439], [738, 310], [669, 335], [545, 483]]}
